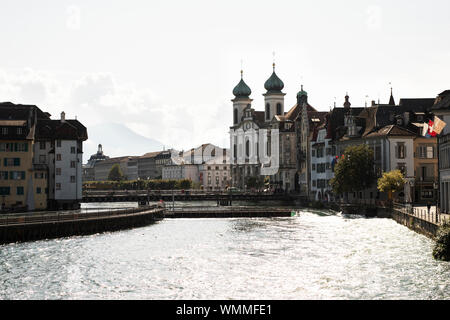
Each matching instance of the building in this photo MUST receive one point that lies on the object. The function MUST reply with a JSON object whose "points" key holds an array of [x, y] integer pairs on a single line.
{"points": [[393, 132], [441, 109], [89, 168], [128, 165], [264, 143], [46, 156], [215, 174], [206, 165]]}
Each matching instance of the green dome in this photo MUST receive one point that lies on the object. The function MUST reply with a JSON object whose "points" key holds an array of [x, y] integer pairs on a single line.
{"points": [[274, 84], [242, 90], [301, 93]]}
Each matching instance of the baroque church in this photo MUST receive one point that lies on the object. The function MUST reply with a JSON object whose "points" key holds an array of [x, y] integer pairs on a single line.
{"points": [[264, 144]]}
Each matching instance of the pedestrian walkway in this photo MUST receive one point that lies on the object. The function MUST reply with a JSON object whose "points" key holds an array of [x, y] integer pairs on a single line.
{"points": [[422, 213]]}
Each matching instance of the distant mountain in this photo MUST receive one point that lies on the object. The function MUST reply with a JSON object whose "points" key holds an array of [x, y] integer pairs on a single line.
{"points": [[117, 140]]}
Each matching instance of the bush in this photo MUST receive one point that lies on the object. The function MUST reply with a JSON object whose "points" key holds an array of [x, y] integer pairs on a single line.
{"points": [[138, 184], [441, 250]]}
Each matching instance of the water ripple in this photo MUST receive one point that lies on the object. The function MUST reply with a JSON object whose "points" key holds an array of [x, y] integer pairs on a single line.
{"points": [[315, 255]]}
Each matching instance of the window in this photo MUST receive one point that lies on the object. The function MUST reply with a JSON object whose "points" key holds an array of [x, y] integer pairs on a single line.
{"points": [[279, 108], [19, 191], [235, 116], [17, 175], [3, 175], [39, 175], [42, 145], [5, 191], [58, 171], [19, 131], [313, 153], [4, 131], [58, 186], [58, 157], [313, 166], [72, 179], [58, 143], [267, 111], [11, 162], [402, 168], [72, 149], [247, 148], [401, 150], [72, 164], [38, 190], [42, 158]]}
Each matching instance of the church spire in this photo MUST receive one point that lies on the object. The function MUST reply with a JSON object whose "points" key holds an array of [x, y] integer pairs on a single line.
{"points": [[391, 99]]}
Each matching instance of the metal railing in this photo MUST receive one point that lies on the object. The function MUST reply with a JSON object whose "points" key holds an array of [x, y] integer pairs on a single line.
{"points": [[421, 213], [94, 193], [54, 216]]}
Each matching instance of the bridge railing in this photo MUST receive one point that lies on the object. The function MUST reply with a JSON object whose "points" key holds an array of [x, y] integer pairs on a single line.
{"points": [[167, 192], [52, 216]]}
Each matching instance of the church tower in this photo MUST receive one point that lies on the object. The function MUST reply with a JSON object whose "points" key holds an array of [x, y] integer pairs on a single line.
{"points": [[273, 98], [242, 99]]}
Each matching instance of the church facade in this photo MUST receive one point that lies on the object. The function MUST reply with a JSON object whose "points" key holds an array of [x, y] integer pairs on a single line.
{"points": [[264, 144]]}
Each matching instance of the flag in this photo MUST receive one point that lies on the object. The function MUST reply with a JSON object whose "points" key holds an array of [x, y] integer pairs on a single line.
{"points": [[431, 129], [427, 130], [438, 125]]}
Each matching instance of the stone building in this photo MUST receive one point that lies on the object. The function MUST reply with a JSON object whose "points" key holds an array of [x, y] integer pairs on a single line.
{"points": [[264, 143], [46, 155], [89, 167], [441, 109]]}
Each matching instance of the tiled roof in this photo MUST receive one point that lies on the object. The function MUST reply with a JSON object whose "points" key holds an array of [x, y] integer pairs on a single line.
{"points": [[442, 102]]}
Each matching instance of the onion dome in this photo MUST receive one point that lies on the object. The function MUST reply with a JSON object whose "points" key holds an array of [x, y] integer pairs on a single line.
{"points": [[274, 84], [301, 93], [242, 90]]}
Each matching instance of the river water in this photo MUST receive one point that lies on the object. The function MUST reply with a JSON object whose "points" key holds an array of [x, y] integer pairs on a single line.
{"points": [[314, 255]]}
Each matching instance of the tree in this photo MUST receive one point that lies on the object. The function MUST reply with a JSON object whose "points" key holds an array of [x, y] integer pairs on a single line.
{"points": [[115, 174], [256, 182], [391, 181], [354, 171], [184, 184]]}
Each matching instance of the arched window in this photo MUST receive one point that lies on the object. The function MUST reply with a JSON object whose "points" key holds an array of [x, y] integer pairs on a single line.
{"points": [[235, 151], [235, 116], [267, 111], [279, 109], [247, 149]]}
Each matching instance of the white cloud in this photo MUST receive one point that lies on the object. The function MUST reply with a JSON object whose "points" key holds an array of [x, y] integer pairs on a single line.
{"points": [[98, 98]]}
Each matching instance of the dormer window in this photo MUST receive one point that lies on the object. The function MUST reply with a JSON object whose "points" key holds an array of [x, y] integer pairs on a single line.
{"points": [[399, 121]]}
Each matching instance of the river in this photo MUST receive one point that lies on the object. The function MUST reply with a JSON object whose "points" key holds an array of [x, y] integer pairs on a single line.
{"points": [[314, 255]]}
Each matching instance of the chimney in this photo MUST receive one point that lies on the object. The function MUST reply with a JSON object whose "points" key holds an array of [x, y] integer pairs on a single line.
{"points": [[63, 116], [373, 103]]}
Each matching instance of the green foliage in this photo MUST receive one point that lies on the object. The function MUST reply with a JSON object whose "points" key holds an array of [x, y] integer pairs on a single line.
{"points": [[139, 185], [354, 171], [441, 250], [255, 182], [115, 174], [391, 181]]}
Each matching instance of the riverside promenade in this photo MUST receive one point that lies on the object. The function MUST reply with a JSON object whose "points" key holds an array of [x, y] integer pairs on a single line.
{"points": [[48, 225], [419, 218]]}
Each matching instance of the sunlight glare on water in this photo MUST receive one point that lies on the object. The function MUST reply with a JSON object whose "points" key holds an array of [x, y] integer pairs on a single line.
{"points": [[315, 255]]}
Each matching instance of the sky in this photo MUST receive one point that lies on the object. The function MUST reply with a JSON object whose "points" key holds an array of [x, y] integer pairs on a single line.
{"points": [[166, 69]]}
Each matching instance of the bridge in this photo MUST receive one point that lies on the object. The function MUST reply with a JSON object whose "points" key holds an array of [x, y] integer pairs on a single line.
{"points": [[224, 198]]}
